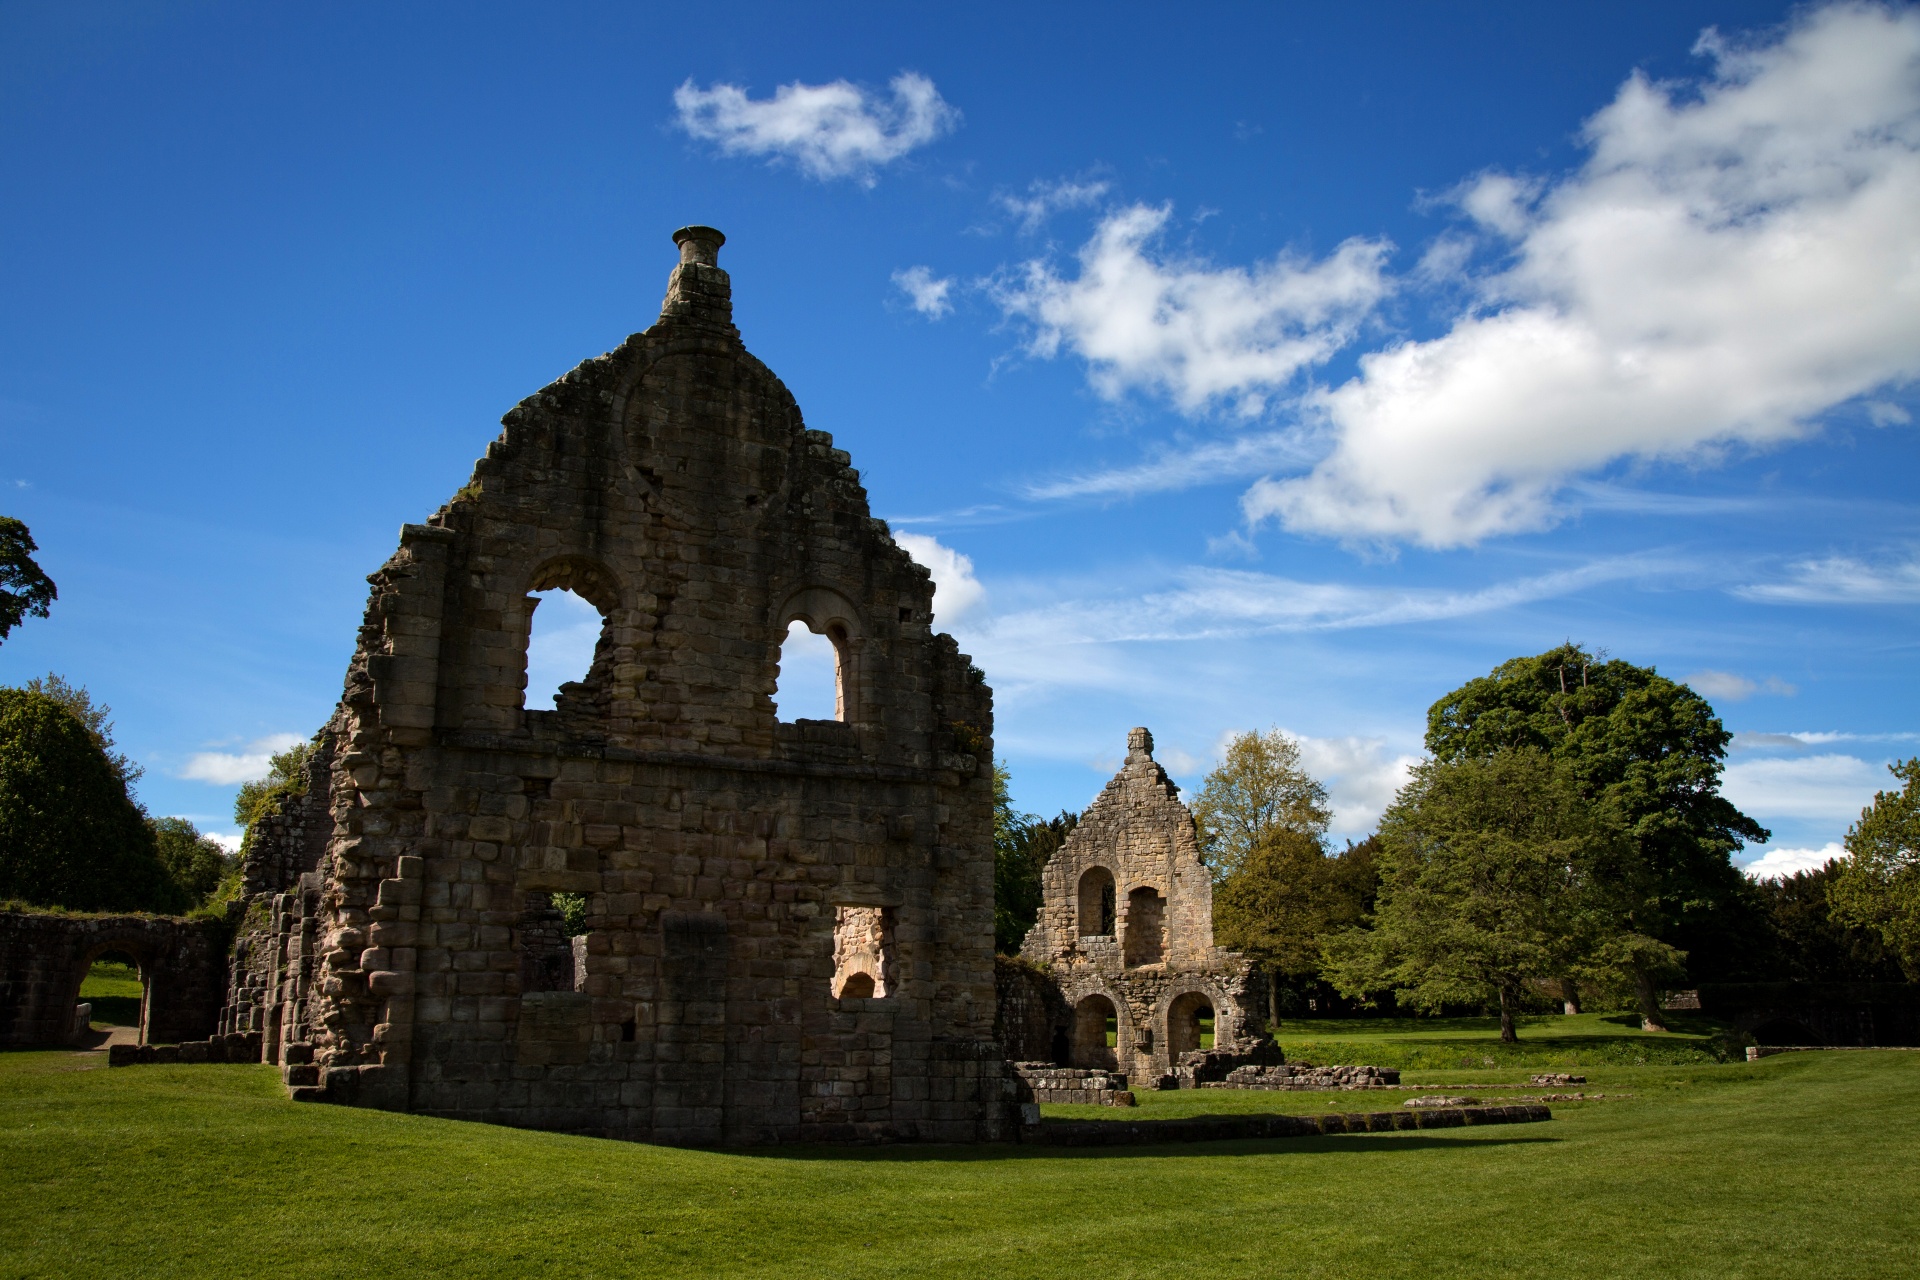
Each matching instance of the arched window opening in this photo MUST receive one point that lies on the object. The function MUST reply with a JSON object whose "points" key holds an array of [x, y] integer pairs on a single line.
{"points": [[1096, 903], [1096, 1033], [563, 637], [809, 686], [1146, 927], [1189, 1024]]}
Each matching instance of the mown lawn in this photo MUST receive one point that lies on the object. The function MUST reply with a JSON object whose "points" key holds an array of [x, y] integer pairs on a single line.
{"points": [[1799, 1165], [114, 991]]}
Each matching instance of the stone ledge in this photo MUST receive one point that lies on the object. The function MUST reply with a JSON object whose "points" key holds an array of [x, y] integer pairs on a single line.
{"points": [[1120, 1133]]}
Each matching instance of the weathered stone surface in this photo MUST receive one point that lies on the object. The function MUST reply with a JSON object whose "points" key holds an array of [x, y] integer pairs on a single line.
{"points": [[44, 957], [1126, 933], [746, 879]]}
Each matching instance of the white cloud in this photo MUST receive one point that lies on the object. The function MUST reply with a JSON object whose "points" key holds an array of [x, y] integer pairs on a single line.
{"points": [[1201, 335], [836, 130], [1728, 687], [956, 590], [1725, 266], [1884, 413], [1840, 580], [926, 291], [808, 682], [1830, 787], [1776, 864], [1044, 199], [1362, 775], [227, 769]]}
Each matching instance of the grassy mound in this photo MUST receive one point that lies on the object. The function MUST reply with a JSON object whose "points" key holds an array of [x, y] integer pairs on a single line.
{"points": [[1799, 1165]]}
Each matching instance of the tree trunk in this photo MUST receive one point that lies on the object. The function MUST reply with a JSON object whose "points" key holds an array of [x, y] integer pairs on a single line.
{"points": [[1570, 995], [1650, 1016], [1273, 1002], [1507, 1033]]}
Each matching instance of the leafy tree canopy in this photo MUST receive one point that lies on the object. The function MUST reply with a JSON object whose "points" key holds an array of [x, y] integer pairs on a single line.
{"points": [[1287, 898], [194, 862], [1260, 787], [1879, 887], [92, 714], [70, 835], [25, 589], [1022, 843], [1645, 749], [1483, 866]]}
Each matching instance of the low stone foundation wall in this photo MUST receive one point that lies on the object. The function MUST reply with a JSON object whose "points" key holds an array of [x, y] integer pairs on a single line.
{"points": [[1300, 1076], [1044, 1082], [228, 1048], [1118, 1133]]}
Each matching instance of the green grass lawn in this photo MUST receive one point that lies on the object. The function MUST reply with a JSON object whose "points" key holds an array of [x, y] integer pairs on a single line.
{"points": [[1799, 1165], [114, 992], [1547, 1042]]}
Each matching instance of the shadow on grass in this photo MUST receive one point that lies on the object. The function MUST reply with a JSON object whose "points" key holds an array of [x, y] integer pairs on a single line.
{"points": [[1325, 1144]]}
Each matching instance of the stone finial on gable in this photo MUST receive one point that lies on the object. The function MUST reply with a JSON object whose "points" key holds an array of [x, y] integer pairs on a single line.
{"points": [[699, 291], [1139, 745]]}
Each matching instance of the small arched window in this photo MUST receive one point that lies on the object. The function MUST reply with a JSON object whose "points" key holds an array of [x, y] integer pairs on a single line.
{"points": [[563, 635], [812, 680]]}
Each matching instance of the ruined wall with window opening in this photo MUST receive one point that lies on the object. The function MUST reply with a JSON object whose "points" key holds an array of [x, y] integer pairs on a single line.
{"points": [[1125, 936], [748, 882]]}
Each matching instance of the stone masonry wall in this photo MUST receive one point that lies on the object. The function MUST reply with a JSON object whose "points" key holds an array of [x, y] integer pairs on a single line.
{"points": [[1138, 833], [673, 485], [44, 957]]}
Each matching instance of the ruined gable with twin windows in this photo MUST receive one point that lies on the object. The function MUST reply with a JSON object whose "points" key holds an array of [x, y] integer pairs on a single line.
{"points": [[788, 924], [1125, 935]]}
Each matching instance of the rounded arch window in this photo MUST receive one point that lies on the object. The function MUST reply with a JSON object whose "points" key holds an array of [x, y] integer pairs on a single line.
{"points": [[1096, 903], [1189, 1024]]}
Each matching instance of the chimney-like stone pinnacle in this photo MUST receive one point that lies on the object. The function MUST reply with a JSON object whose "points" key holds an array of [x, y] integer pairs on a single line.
{"points": [[698, 291]]}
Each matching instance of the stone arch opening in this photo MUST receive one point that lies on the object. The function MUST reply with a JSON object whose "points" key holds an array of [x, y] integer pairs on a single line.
{"points": [[115, 977], [569, 643], [819, 651], [1096, 916], [1190, 1023], [809, 683], [1146, 940], [1096, 1033]]}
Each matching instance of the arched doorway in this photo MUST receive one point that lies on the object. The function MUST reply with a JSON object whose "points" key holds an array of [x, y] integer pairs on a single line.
{"points": [[1189, 1024], [1096, 1033], [116, 981], [1096, 903]]}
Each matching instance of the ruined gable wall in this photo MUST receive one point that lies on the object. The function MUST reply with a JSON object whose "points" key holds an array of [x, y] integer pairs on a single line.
{"points": [[673, 484], [1141, 833]]}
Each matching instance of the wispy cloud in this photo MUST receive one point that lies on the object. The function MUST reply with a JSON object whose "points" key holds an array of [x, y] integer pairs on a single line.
{"points": [[1180, 466], [928, 293], [230, 768], [1728, 687], [1840, 580], [1044, 199], [1204, 336], [836, 130], [1761, 741], [1832, 787]]}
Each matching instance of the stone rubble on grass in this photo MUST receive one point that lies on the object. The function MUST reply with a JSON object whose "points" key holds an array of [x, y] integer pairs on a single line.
{"points": [[1438, 1100], [1555, 1077], [1303, 1076]]}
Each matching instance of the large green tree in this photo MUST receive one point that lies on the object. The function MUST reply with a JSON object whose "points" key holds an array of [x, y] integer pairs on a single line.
{"points": [[70, 835], [1485, 864], [1286, 898], [1259, 787], [25, 589], [194, 862], [1648, 753], [1879, 887]]}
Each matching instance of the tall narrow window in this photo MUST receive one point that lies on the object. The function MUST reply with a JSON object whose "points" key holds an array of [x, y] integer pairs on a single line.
{"points": [[809, 683], [1096, 903], [560, 645]]}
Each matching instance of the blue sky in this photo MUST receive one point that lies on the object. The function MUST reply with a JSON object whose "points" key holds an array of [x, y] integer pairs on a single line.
{"points": [[1267, 365]]}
